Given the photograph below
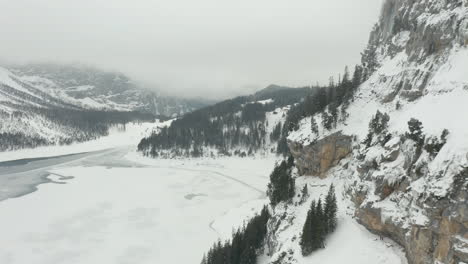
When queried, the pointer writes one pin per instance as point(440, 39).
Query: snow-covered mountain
point(393, 140)
point(44, 104)
point(93, 88)
point(32, 114)
point(399, 150)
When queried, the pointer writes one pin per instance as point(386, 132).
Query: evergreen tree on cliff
point(307, 236)
point(330, 210)
point(319, 227)
point(282, 185)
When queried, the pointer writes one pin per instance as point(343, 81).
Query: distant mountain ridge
point(241, 126)
point(92, 88)
point(32, 115)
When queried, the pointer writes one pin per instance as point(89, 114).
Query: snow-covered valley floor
point(114, 206)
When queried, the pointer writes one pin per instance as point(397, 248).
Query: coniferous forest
point(239, 123)
point(238, 126)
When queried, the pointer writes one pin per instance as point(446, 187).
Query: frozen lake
point(112, 206)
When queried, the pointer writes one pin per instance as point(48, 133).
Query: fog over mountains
point(217, 49)
point(133, 162)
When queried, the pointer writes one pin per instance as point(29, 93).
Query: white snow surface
point(132, 215)
point(148, 212)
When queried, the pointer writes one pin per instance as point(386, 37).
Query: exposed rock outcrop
point(317, 158)
point(397, 196)
point(425, 213)
point(413, 39)
point(415, 66)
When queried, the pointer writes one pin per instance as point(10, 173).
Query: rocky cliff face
point(417, 61)
point(412, 40)
point(398, 196)
point(317, 158)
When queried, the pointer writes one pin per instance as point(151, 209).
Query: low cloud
point(209, 48)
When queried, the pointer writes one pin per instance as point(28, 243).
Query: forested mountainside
point(257, 123)
point(31, 116)
point(240, 126)
point(399, 153)
point(95, 89)
point(397, 149)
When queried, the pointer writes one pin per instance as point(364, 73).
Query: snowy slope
point(37, 110)
point(399, 189)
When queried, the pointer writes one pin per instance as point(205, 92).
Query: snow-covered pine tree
point(307, 236)
point(304, 193)
point(281, 186)
point(319, 227)
point(330, 210)
point(313, 125)
point(415, 130)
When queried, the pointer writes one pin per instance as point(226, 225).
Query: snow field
point(162, 212)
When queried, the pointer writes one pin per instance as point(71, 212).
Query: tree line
point(77, 125)
point(226, 127)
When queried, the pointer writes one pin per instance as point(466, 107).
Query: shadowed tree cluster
point(239, 123)
point(321, 221)
point(282, 185)
point(378, 128)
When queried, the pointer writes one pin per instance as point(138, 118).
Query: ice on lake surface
point(110, 205)
point(88, 211)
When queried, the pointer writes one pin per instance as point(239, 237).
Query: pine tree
point(369, 58)
point(415, 131)
point(326, 120)
point(282, 185)
point(345, 76)
point(357, 76)
point(307, 236)
point(304, 193)
point(314, 126)
point(377, 125)
point(319, 226)
point(330, 210)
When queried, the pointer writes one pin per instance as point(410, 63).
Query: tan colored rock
point(317, 158)
point(448, 227)
point(420, 245)
point(442, 250)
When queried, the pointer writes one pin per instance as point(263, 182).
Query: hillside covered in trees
point(33, 114)
point(331, 101)
point(68, 126)
point(240, 126)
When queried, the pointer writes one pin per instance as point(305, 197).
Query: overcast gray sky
point(213, 48)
